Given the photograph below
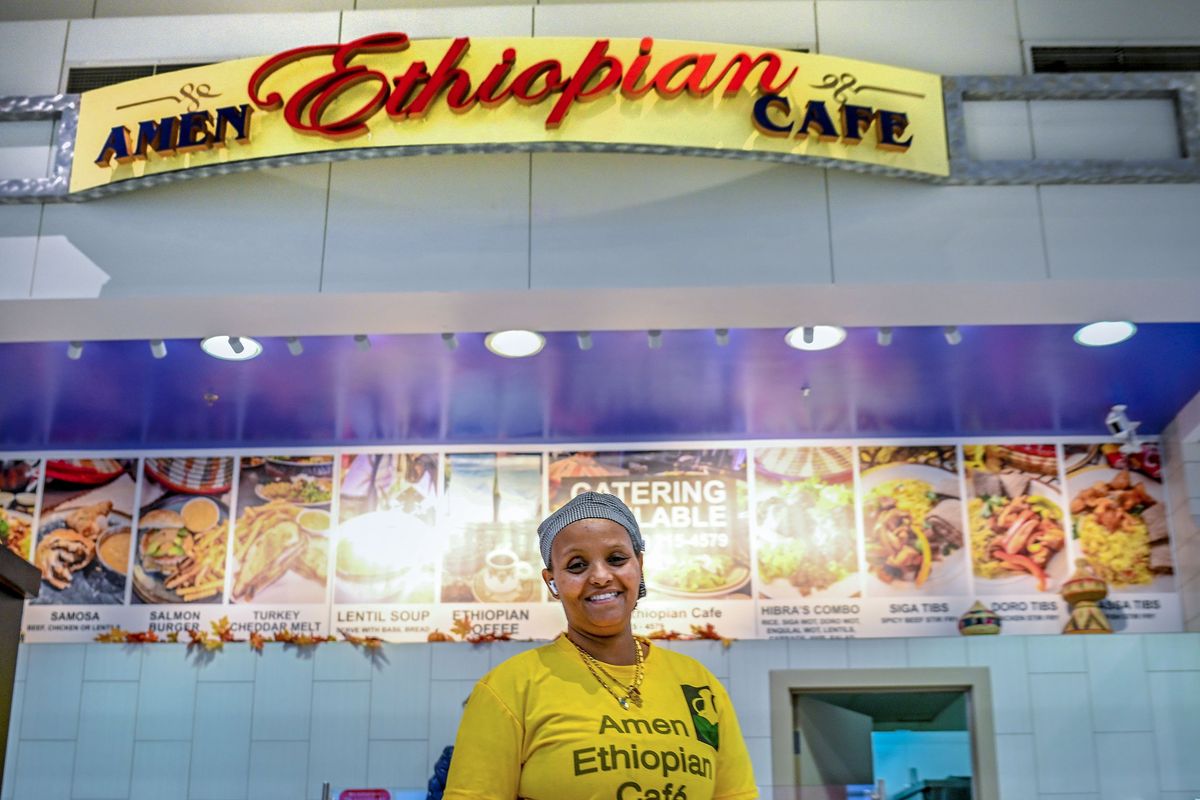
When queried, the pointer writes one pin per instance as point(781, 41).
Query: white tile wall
point(46, 9)
point(1104, 129)
point(1103, 231)
point(890, 231)
point(194, 237)
point(38, 48)
point(998, 130)
point(1116, 682)
point(18, 247)
point(766, 23)
point(950, 38)
point(626, 220)
point(433, 23)
point(140, 8)
point(428, 223)
point(214, 37)
point(1105, 21)
point(25, 149)
point(1066, 760)
point(356, 730)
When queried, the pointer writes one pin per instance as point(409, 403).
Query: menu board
point(805, 540)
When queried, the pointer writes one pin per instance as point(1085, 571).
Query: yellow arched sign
point(463, 95)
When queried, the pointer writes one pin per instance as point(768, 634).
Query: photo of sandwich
point(281, 543)
point(182, 538)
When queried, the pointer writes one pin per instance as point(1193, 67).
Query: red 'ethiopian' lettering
point(312, 107)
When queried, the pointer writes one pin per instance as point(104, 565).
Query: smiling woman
point(598, 713)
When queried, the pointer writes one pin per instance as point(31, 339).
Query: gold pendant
point(636, 698)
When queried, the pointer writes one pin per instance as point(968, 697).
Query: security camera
point(1118, 423)
point(1123, 429)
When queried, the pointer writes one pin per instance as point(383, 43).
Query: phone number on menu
point(692, 540)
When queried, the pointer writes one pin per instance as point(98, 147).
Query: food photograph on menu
point(912, 521)
point(85, 530)
point(18, 501)
point(806, 538)
point(691, 506)
point(1018, 539)
point(493, 507)
point(388, 542)
point(183, 530)
point(1119, 515)
point(281, 536)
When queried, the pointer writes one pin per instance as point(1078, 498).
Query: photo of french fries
point(181, 551)
point(281, 544)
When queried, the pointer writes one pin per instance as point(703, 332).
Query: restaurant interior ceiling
point(1027, 380)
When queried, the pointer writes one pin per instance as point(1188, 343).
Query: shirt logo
point(703, 706)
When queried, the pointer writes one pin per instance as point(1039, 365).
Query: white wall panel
point(766, 23)
point(1175, 697)
point(45, 9)
point(434, 23)
point(37, 47)
point(429, 223)
point(140, 8)
point(949, 38)
point(624, 220)
point(18, 245)
point(217, 37)
point(1105, 129)
point(1109, 20)
point(1122, 232)
point(1066, 755)
point(895, 231)
point(378, 4)
point(250, 233)
point(998, 130)
point(25, 149)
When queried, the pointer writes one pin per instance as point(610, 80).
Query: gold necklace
point(633, 692)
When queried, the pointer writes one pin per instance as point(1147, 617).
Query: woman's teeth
point(599, 598)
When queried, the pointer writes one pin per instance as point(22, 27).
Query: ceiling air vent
point(83, 79)
point(1116, 59)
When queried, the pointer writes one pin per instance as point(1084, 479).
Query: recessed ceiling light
point(952, 334)
point(815, 337)
point(1102, 334)
point(158, 348)
point(74, 350)
point(515, 344)
point(222, 347)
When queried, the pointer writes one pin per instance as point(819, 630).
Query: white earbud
point(553, 588)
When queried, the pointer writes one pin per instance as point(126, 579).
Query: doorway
point(883, 735)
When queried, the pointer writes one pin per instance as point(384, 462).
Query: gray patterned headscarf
point(591, 505)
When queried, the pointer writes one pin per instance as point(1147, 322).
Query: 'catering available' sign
point(462, 95)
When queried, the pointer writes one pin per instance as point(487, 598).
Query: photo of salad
point(1016, 518)
point(1118, 517)
point(912, 521)
point(806, 538)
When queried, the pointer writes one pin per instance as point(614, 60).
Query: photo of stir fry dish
point(1016, 535)
point(909, 528)
point(1016, 518)
point(912, 520)
point(807, 541)
point(1120, 525)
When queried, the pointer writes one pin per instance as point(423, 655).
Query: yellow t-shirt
point(540, 727)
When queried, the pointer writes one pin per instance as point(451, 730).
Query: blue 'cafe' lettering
point(186, 133)
point(773, 117)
